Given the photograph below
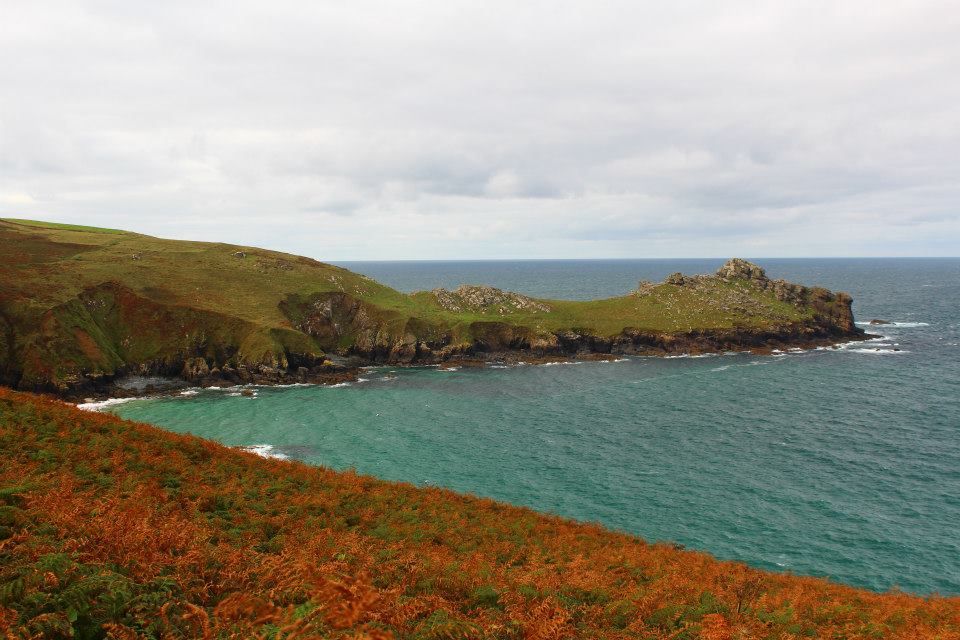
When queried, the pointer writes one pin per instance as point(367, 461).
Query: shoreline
point(157, 386)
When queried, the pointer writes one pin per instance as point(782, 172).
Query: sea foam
point(103, 404)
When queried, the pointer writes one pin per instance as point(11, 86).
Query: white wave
point(189, 392)
point(553, 364)
point(363, 379)
point(282, 386)
point(878, 351)
point(339, 384)
point(614, 360)
point(265, 451)
point(692, 355)
point(903, 325)
point(214, 388)
point(852, 346)
point(449, 369)
point(103, 404)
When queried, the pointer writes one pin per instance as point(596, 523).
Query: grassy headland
point(80, 306)
point(110, 528)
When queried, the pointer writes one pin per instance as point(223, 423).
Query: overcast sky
point(368, 130)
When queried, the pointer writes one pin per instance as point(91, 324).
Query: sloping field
point(111, 528)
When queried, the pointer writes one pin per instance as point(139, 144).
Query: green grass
point(76, 299)
point(60, 225)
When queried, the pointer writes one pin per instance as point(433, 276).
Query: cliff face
point(738, 287)
point(79, 308)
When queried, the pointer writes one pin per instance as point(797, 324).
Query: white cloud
point(490, 129)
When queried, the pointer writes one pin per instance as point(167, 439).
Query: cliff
point(80, 307)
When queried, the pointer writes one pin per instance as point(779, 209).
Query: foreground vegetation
point(80, 306)
point(114, 529)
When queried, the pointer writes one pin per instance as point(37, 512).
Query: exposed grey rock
point(738, 268)
point(480, 298)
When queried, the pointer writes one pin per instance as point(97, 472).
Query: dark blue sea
point(842, 463)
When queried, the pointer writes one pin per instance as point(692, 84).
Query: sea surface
point(841, 463)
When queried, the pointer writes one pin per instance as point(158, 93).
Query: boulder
point(740, 269)
point(195, 368)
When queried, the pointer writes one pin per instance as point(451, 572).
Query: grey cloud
point(490, 129)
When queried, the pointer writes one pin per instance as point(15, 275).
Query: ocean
point(834, 462)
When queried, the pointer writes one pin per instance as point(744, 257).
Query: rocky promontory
point(81, 310)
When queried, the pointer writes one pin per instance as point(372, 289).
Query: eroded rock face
point(740, 269)
point(481, 298)
point(195, 369)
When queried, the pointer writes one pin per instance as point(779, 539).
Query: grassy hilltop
point(79, 305)
point(114, 529)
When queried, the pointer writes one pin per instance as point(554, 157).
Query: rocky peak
point(738, 268)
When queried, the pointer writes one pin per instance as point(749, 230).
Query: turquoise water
point(844, 463)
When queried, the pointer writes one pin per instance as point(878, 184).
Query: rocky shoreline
point(70, 330)
point(350, 367)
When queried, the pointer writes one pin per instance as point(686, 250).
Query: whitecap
point(553, 364)
point(692, 355)
point(103, 404)
point(189, 392)
point(339, 384)
point(265, 451)
point(878, 351)
point(902, 325)
point(277, 386)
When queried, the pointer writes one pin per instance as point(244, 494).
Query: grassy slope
point(111, 525)
point(185, 297)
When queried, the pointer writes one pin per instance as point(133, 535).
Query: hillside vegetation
point(80, 306)
point(110, 528)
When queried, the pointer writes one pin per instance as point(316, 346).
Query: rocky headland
point(85, 312)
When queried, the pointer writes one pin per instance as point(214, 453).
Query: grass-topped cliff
point(80, 305)
point(114, 529)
